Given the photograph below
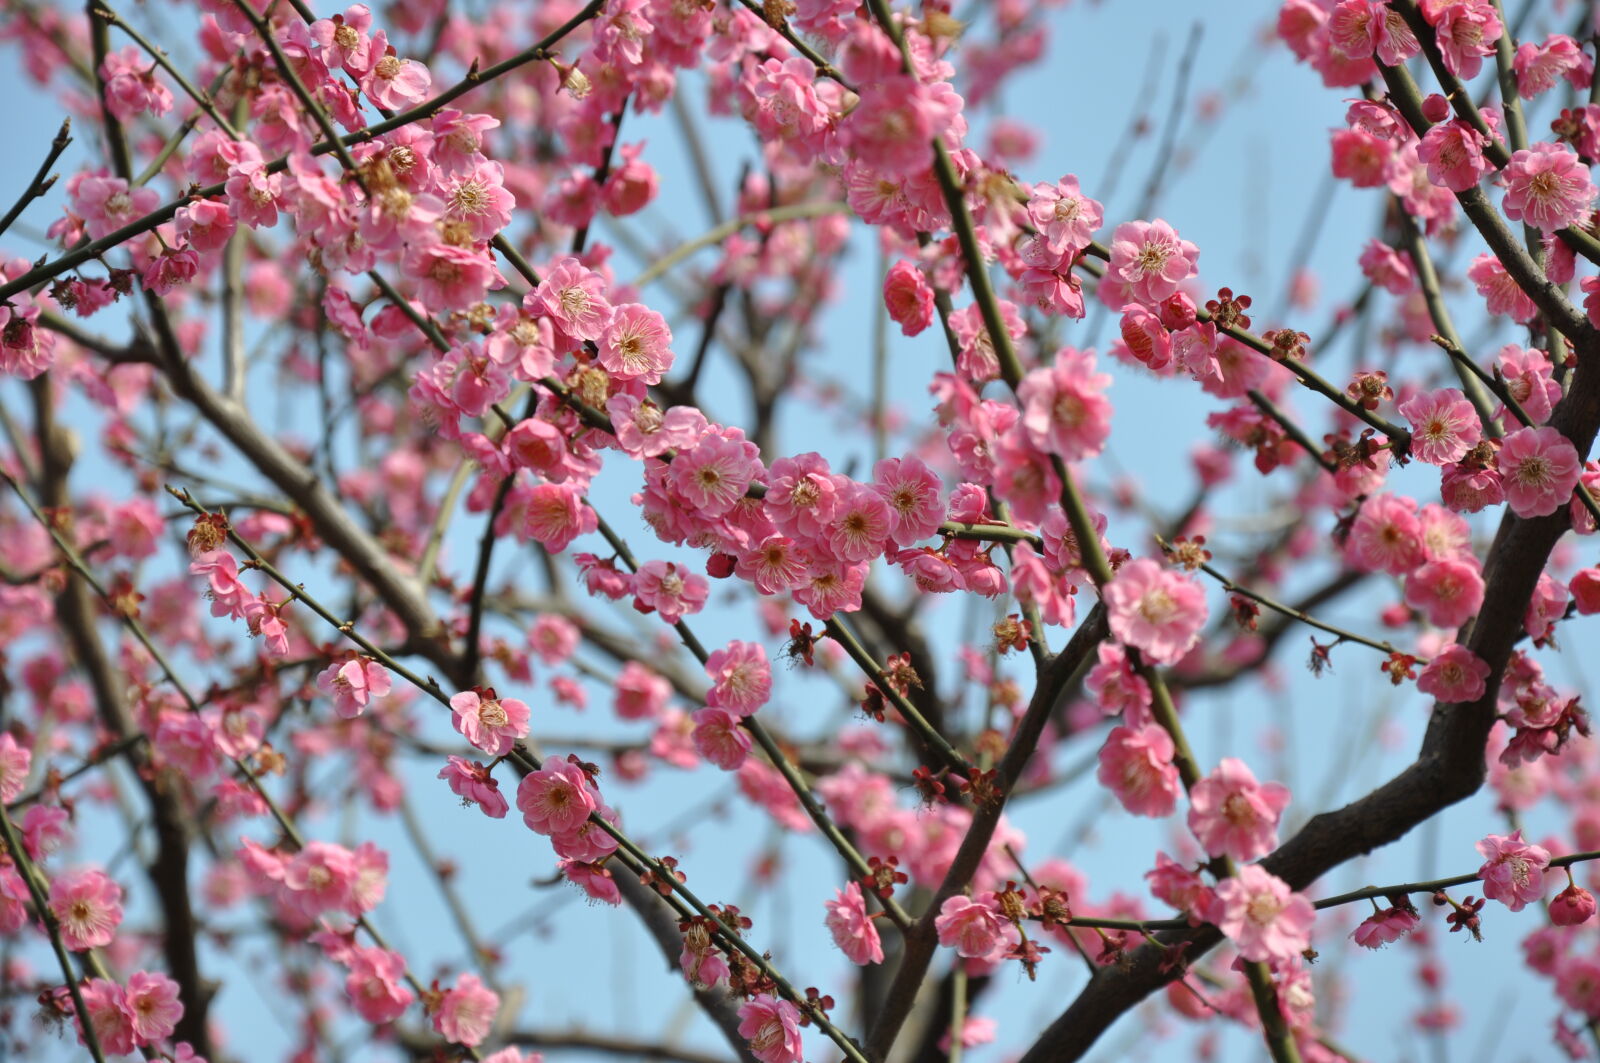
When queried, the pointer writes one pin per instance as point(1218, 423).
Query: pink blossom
point(719, 738)
point(1453, 154)
point(1539, 469)
point(1465, 33)
point(473, 783)
point(1584, 588)
point(908, 297)
point(636, 345)
point(354, 684)
point(557, 798)
point(1501, 293)
point(640, 693)
point(467, 1011)
point(1388, 268)
point(911, 490)
point(1064, 216)
point(450, 277)
point(1156, 610)
point(1233, 815)
point(1151, 260)
point(1180, 887)
point(1448, 591)
point(1064, 408)
point(492, 724)
point(393, 82)
point(741, 676)
point(1572, 906)
point(555, 514)
point(376, 985)
point(15, 762)
point(1538, 66)
point(1382, 927)
point(1386, 536)
point(595, 881)
point(861, 526)
point(1548, 187)
point(131, 87)
point(88, 906)
point(1262, 917)
point(1444, 426)
point(772, 1027)
point(973, 927)
point(106, 1003)
point(1547, 605)
point(632, 184)
point(1137, 766)
point(321, 878)
point(1513, 870)
point(801, 495)
point(1456, 675)
point(1116, 687)
point(1530, 378)
point(152, 1004)
point(714, 474)
point(670, 591)
point(852, 928)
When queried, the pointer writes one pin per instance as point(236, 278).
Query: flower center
point(492, 714)
point(1263, 908)
point(1157, 607)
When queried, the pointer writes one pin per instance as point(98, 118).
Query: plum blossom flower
point(393, 82)
point(852, 928)
point(1384, 926)
point(772, 1026)
point(908, 297)
point(719, 738)
point(1465, 32)
point(1181, 887)
point(88, 906)
point(669, 590)
point(1233, 815)
point(15, 762)
point(636, 345)
point(1548, 187)
point(472, 782)
point(153, 1007)
point(1387, 535)
point(1444, 425)
point(466, 1012)
point(1453, 154)
point(1064, 408)
point(1156, 610)
point(1449, 590)
point(557, 798)
point(106, 1003)
point(973, 927)
point(1500, 291)
point(1150, 259)
point(1262, 917)
point(354, 684)
point(1513, 870)
point(490, 723)
point(1572, 906)
point(1455, 675)
point(376, 984)
point(1539, 469)
point(1137, 766)
point(741, 677)
point(911, 490)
